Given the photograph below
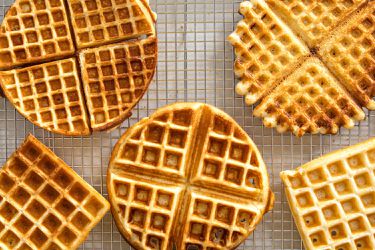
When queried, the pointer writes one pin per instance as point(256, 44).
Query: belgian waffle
point(332, 199)
point(44, 203)
point(96, 22)
point(115, 78)
point(34, 31)
point(309, 100)
point(114, 75)
point(187, 177)
point(49, 95)
point(274, 43)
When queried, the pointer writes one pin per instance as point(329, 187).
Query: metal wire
point(195, 64)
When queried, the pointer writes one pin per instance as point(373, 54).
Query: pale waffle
point(309, 100)
point(326, 30)
point(34, 31)
point(332, 199)
point(39, 53)
point(187, 177)
point(115, 77)
point(265, 50)
point(96, 22)
point(49, 95)
point(44, 204)
point(350, 54)
point(314, 20)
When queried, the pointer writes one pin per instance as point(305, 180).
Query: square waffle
point(332, 199)
point(44, 204)
point(49, 94)
point(34, 31)
point(188, 177)
point(96, 22)
point(115, 74)
point(325, 30)
point(115, 78)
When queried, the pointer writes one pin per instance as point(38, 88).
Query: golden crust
point(181, 144)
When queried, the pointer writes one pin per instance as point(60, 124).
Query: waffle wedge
point(309, 100)
point(187, 177)
point(280, 41)
point(265, 49)
point(332, 199)
point(349, 54)
point(34, 31)
point(97, 22)
point(115, 77)
point(44, 203)
point(49, 95)
point(314, 20)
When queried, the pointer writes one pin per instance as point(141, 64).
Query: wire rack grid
point(195, 64)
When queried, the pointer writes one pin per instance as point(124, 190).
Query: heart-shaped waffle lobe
point(39, 38)
point(44, 204)
point(332, 199)
point(278, 41)
point(187, 177)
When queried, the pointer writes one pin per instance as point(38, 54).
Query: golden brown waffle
point(273, 44)
point(96, 22)
point(49, 95)
point(350, 55)
point(309, 100)
point(115, 77)
point(332, 199)
point(265, 48)
point(187, 177)
point(34, 31)
point(313, 20)
point(44, 204)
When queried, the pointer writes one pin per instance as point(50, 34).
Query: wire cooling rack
point(195, 64)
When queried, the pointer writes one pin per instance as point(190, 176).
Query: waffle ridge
point(49, 95)
point(45, 204)
point(326, 30)
point(33, 32)
point(164, 147)
point(115, 78)
point(49, 33)
point(332, 198)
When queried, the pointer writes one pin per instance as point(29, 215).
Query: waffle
point(309, 100)
point(49, 95)
point(332, 199)
point(96, 22)
point(187, 177)
point(265, 49)
point(274, 44)
point(313, 20)
point(115, 77)
point(44, 203)
point(34, 31)
point(350, 55)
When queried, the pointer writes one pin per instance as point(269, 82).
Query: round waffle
point(50, 52)
point(187, 177)
point(309, 64)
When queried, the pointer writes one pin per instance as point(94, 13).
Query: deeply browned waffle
point(50, 94)
point(115, 78)
point(44, 204)
point(187, 177)
point(274, 44)
point(332, 199)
